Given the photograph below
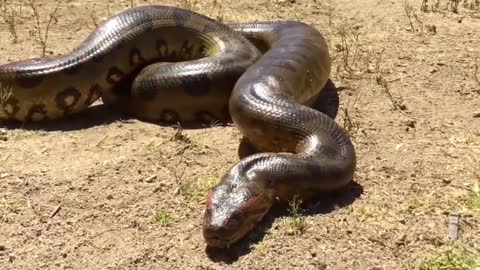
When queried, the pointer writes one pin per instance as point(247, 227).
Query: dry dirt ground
point(101, 191)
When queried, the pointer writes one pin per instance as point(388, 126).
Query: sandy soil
point(102, 191)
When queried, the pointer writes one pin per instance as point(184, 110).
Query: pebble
point(411, 123)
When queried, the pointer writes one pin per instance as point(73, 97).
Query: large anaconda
point(183, 66)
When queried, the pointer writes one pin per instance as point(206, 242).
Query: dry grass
point(188, 4)
point(262, 249)
point(11, 15)
point(449, 5)
point(5, 93)
point(472, 200)
point(349, 46)
point(416, 23)
point(397, 101)
point(93, 17)
point(476, 71)
point(196, 190)
point(43, 31)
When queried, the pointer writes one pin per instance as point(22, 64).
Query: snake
point(171, 65)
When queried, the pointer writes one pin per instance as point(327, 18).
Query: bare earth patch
point(101, 191)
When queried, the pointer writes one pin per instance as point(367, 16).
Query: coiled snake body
point(169, 64)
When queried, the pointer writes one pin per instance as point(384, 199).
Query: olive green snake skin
point(169, 64)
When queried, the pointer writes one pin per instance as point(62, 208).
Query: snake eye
point(235, 219)
point(249, 204)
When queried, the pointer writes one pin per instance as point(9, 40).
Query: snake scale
point(170, 64)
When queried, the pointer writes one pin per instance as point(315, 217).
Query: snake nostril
point(215, 229)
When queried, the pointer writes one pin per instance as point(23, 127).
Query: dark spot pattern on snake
point(73, 69)
point(163, 50)
point(205, 117)
point(67, 99)
point(36, 112)
point(120, 44)
point(10, 107)
point(114, 75)
point(196, 86)
point(186, 51)
point(135, 58)
point(94, 93)
point(147, 93)
point(98, 58)
point(201, 52)
point(30, 82)
point(169, 116)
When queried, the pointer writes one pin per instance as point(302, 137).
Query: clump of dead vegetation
point(416, 23)
point(436, 6)
point(43, 29)
point(397, 101)
point(11, 14)
point(349, 46)
point(449, 5)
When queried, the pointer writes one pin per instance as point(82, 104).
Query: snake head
point(232, 211)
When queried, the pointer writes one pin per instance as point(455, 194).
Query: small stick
point(55, 211)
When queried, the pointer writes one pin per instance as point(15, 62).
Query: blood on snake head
point(233, 209)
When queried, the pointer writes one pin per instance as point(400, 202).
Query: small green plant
point(261, 249)
point(163, 218)
point(296, 221)
point(451, 260)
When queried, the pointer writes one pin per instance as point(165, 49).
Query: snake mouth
point(218, 242)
